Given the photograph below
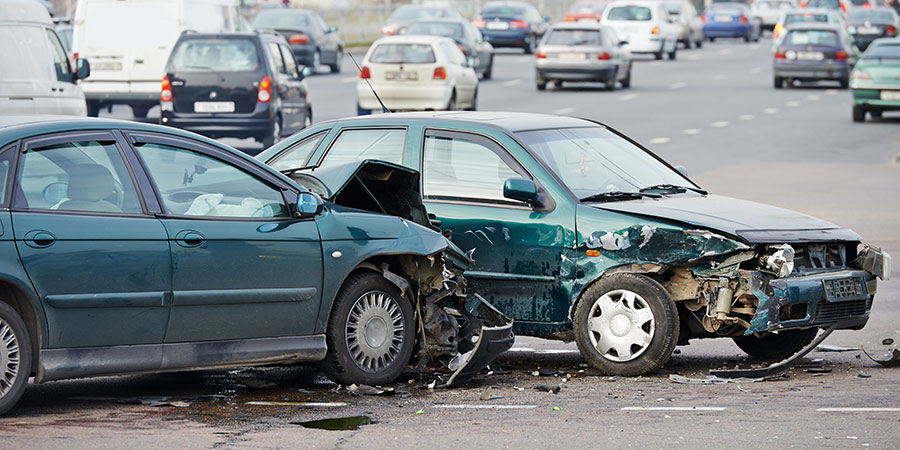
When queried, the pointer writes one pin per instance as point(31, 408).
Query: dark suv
point(242, 85)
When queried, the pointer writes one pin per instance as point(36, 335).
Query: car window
point(574, 37)
point(60, 58)
point(458, 168)
point(88, 176)
point(6, 160)
point(450, 30)
point(402, 54)
point(26, 55)
point(289, 61)
point(275, 58)
point(193, 184)
point(321, 23)
point(812, 37)
point(883, 52)
point(453, 53)
point(639, 13)
point(802, 18)
point(279, 19)
point(221, 55)
point(296, 155)
point(356, 145)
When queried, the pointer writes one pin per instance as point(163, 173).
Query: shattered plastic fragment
point(836, 348)
point(712, 379)
point(547, 388)
point(890, 359)
point(646, 233)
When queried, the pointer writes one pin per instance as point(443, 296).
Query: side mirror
point(682, 170)
point(623, 43)
point(83, 69)
point(305, 72)
point(520, 189)
point(333, 30)
point(546, 18)
point(309, 205)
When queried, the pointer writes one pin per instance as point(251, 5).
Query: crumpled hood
point(753, 222)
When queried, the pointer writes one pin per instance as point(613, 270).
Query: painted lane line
point(813, 97)
point(793, 103)
point(771, 110)
point(746, 117)
point(515, 82)
point(673, 408)
point(721, 124)
point(677, 85)
point(557, 352)
point(659, 140)
point(756, 70)
point(720, 77)
point(564, 111)
point(831, 92)
point(691, 131)
point(858, 409)
point(628, 97)
point(486, 406)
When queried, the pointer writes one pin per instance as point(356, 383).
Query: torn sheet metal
point(776, 367)
point(494, 337)
point(712, 379)
point(889, 359)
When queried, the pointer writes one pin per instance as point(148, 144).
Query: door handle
point(39, 239)
point(189, 238)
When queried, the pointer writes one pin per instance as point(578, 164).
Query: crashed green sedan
point(579, 233)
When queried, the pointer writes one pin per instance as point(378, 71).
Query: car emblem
point(213, 94)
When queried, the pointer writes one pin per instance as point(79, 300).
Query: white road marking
point(677, 85)
point(659, 140)
point(771, 110)
point(691, 131)
point(831, 92)
point(756, 70)
point(348, 79)
point(564, 111)
point(721, 124)
point(515, 82)
point(724, 51)
point(720, 77)
point(858, 409)
point(673, 408)
point(628, 97)
point(746, 117)
point(793, 103)
point(813, 97)
point(307, 404)
point(556, 352)
point(479, 406)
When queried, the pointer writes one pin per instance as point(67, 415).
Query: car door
point(287, 87)
point(329, 40)
point(243, 266)
point(69, 98)
point(299, 97)
point(518, 251)
point(464, 77)
point(26, 78)
point(100, 264)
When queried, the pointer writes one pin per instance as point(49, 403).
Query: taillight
point(569, 19)
point(779, 54)
point(655, 30)
point(890, 29)
point(75, 60)
point(299, 38)
point(604, 56)
point(520, 24)
point(462, 48)
point(541, 55)
point(703, 18)
point(841, 56)
point(264, 95)
point(440, 73)
point(165, 95)
point(389, 29)
point(478, 22)
point(743, 19)
point(364, 73)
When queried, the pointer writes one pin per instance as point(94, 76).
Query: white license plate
point(893, 96)
point(497, 25)
point(723, 19)
point(213, 107)
point(401, 76)
point(810, 56)
point(107, 65)
point(868, 30)
point(571, 56)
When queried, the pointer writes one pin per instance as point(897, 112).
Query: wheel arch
point(23, 300)
point(651, 270)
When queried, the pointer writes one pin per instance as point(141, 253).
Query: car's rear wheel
point(360, 111)
point(673, 52)
point(626, 82)
point(317, 60)
point(15, 357)
point(371, 332)
point(778, 82)
point(490, 69)
point(776, 346)
point(93, 109)
point(626, 324)
point(274, 134)
point(611, 82)
point(845, 83)
point(712, 39)
point(530, 44)
point(474, 105)
point(451, 105)
point(338, 58)
point(659, 55)
point(747, 37)
point(307, 121)
point(699, 43)
point(859, 114)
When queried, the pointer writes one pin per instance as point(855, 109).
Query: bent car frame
point(579, 233)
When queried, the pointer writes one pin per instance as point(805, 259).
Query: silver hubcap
point(375, 331)
point(9, 358)
point(621, 325)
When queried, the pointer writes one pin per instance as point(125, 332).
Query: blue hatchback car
point(511, 24)
point(731, 20)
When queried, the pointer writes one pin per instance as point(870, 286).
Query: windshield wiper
point(618, 195)
point(672, 189)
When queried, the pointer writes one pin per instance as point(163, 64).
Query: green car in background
point(579, 233)
point(875, 81)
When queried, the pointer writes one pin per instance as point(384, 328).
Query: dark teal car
point(579, 233)
point(134, 248)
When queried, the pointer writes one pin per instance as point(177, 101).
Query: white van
point(129, 41)
point(36, 76)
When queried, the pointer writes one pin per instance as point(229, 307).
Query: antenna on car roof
point(383, 108)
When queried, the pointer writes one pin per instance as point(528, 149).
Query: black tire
point(339, 363)
point(451, 104)
point(274, 134)
point(11, 324)
point(687, 43)
point(626, 82)
point(776, 346)
point(659, 55)
point(859, 114)
point(338, 57)
point(845, 83)
point(317, 61)
point(712, 39)
point(876, 114)
point(93, 109)
point(530, 45)
point(747, 37)
point(541, 85)
point(611, 82)
point(673, 53)
point(362, 112)
point(699, 43)
point(778, 82)
point(307, 121)
point(474, 106)
point(490, 70)
point(140, 111)
point(664, 313)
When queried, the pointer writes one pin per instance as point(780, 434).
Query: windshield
point(574, 37)
point(628, 13)
point(725, 10)
point(829, 4)
point(803, 18)
point(594, 160)
point(504, 11)
point(410, 13)
point(862, 15)
point(773, 5)
point(824, 38)
point(883, 51)
point(402, 54)
point(279, 19)
point(222, 55)
point(451, 30)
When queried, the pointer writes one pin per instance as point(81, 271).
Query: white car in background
point(416, 73)
point(645, 25)
point(688, 21)
point(770, 11)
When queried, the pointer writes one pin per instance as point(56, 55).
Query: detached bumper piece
point(777, 367)
point(492, 336)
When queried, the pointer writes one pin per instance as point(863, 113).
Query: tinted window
point(456, 168)
point(78, 176)
point(628, 13)
point(861, 15)
point(503, 11)
point(289, 61)
point(410, 13)
point(812, 37)
point(296, 155)
point(403, 54)
point(60, 58)
point(221, 55)
point(280, 19)
point(883, 51)
point(194, 184)
point(574, 37)
point(26, 55)
point(828, 4)
point(804, 18)
point(275, 58)
point(356, 145)
point(450, 30)
point(725, 11)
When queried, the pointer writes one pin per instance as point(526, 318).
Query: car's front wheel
point(776, 346)
point(626, 324)
point(859, 114)
point(274, 134)
point(778, 82)
point(371, 332)
point(15, 357)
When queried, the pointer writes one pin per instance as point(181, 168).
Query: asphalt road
point(712, 110)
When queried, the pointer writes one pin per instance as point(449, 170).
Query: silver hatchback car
point(582, 51)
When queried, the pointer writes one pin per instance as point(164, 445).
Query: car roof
point(580, 25)
point(814, 26)
point(728, 5)
point(508, 121)
point(24, 11)
point(410, 39)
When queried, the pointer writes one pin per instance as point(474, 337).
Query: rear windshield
point(416, 12)
point(825, 38)
point(804, 18)
point(725, 11)
point(883, 51)
point(273, 19)
point(574, 37)
point(832, 4)
point(773, 5)
point(450, 30)
point(587, 8)
point(220, 55)
point(628, 13)
point(503, 11)
point(403, 54)
point(862, 15)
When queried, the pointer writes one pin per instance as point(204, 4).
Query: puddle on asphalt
point(338, 423)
